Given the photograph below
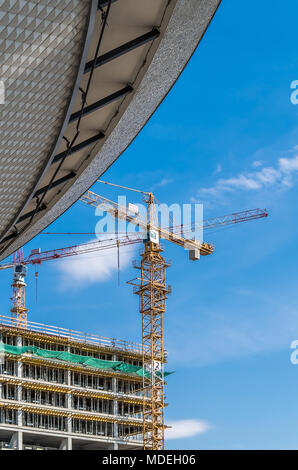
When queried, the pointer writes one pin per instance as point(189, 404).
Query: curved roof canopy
point(81, 78)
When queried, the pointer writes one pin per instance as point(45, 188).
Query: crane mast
point(153, 292)
point(150, 286)
point(19, 310)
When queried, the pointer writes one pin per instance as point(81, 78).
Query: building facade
point(61, 389)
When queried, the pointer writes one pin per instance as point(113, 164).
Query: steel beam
point(30, 214)
point(124, 49)
point(9, 237)
point(79, 147)
point(104, 3)
point(21, 219)
point(101, 103)
point(55, 183)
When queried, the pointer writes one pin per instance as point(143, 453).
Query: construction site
point(67, 390)
point(62, 389)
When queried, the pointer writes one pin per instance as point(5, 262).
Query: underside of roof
point(82, 78)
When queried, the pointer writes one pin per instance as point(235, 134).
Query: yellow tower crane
point(151, 287)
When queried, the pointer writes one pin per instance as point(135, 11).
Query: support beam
point(78, 147)
point(55, 183)
point(21, 219)
point(9, 237)
point(104, 3)
point(101, 103)
point(124, 49)
point(29, 214)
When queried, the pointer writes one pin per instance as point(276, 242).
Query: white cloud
point(218, 169)
point(94, 267)
point(257, 163)
point(282, 175)
point(186, 428)
point(289, 164)
point(163, 182)
point(241, 181)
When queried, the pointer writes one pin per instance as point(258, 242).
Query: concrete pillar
point(69, 419)
point(69, 407)
point(19, 363)
point(66, 444)
point(16, 442)
point(115, 402)
point(112, 446)
point(19, 387)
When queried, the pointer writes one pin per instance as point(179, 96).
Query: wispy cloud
point(93, 267)
point(218, 169)
point(257, 164)
point(282, 174)
point(163, 182)
point(186, 428)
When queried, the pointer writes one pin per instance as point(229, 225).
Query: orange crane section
point(19, 265)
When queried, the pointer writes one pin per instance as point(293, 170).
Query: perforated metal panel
point(40, 48)
point(141, 53)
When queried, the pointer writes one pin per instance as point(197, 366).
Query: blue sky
point(227, 136)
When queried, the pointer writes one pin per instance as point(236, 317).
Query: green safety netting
point(75, 358)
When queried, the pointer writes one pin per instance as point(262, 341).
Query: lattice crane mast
point(152, 290)
point(18, 310)
point(150, 286)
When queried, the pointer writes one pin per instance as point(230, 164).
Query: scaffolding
point(68, 396)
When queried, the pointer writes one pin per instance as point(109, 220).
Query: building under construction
point(62, 389)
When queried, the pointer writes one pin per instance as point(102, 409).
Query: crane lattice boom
point(150, 286)
point(152, 290)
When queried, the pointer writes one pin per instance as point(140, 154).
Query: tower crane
point(150, 286)
point(152, 289)
point(37, 257)
point(18, 310)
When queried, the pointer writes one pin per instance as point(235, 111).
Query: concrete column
point(20, 417)
point(19, 387)
point(16, 442)
point(115, 402)
point(66, 444)
point(69, 407)
point(19, 364)
point(69, 419)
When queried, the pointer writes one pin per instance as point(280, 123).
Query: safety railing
point(73, 335)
